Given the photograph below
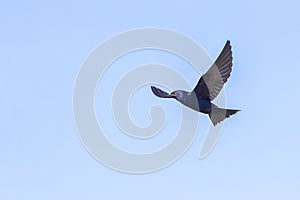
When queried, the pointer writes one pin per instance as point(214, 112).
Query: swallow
point(207, 89)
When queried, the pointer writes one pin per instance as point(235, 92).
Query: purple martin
point(207, 89)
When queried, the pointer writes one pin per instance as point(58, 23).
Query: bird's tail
point(219, 114)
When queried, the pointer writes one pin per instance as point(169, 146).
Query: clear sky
point(43, 44)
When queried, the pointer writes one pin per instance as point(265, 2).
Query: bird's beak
point(172, 95)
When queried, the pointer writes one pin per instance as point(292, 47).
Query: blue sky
point(43, 45)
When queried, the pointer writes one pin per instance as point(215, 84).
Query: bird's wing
point(160, 93)
point(211, 83)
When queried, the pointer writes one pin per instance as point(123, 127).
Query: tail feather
point(219, 114)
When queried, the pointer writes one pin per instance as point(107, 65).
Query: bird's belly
point(200, 105)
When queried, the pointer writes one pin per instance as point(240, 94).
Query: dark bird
point(207, 89)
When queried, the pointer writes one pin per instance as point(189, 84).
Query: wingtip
point(152, 87)
point(228, 43)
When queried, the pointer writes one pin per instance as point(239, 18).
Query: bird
point(207, 89)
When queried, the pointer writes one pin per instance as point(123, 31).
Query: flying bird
point(207, 89)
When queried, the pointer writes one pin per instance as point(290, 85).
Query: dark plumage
point(207, 89)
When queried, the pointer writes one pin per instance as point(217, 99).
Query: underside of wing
point(160, 93)
point(211, 83)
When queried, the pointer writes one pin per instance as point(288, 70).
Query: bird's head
point(178, 94)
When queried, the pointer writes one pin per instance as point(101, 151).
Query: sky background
point(43, 44)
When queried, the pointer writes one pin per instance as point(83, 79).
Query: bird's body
point(190, 100)
point(207, 88)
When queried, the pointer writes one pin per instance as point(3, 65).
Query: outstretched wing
point(158, 92)
point(211, 83)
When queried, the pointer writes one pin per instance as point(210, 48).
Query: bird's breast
point(197, 104)
point(190, 100)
